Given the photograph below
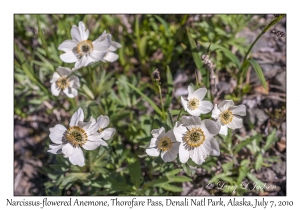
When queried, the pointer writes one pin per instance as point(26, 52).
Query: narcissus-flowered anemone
point(196, 139)
point(79, 135)
point(62, 81)
point(83, 51)
point(164, 144)
point(194, 104)
point(228, 115)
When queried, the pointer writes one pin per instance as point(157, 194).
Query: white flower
point(197, 139)
point(226, 115)
point(79, 134)
point(163, 143)
point(194, 104)
point(83, 51)
point(109, 55)
point(62, 82)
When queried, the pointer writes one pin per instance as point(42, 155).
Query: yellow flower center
point(165, 144)
point(85, 48)
point(63, 82)
point(194, 137)
point(76, 136)
point(226, 117)
point(193, 104)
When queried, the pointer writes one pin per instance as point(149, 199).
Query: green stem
point(161, 101)
point(243, 69)
point(179, 115)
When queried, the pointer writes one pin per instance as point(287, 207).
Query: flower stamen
point(226, 117)
point(165, 144)
point(76, 136)
point(63, 82)
point(193, 104)
point(194, 137)
point(85, 48)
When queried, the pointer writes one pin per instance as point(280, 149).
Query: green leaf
point(169, 120)
point(259, 161)
point(135, 173)
point(270, 140)
point(259, 73)
point(170, 88)
point(196, 57)
point(244, 143)
point(173, 172)
point(171, 188)
point(227, 166)
point(226, 52)
point(144, 97)
point(257, 182)
point(156, 182)
point(179, 179)
point(164, 23)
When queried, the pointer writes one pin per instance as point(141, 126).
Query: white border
point(154, 6)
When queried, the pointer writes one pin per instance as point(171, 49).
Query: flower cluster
point(80, 134)
point(88, 135)
point(192, 137)
point(83, 52)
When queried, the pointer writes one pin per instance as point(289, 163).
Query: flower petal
point(199, 94)
point(74, 81)
point(102, 36)
point(190, 90)
point(184, 103)
point(171, 135)
point(212, 127)
point(108, 133)
point(195, 112)
point(215, 112)
point(68, 57)
point(67, 150)
point(183, 154)
point(156, 132)
point(68, 45)
point(225, 105)
point(166, 156)
point(239, 110)
point(153, 143)
point(197, 157)
point(84, 33)
point(236, 122)
point(179, 131)
point(84, 125)
point(55, 89)
point(205, 107)
point(70, 92)
point(152, 152)
point(57, 133)
point(77, 116)
point(77, 157)
point(104, 121)
point(103, 44)
point(75, 34)
point(54, 77)
point(91, 145)
point(64, 71)
point(97, 55)
point(55, 148)
point(215, 147)
point(114, 46)
point(83, 61)
point(111, 57)
point(223, 130)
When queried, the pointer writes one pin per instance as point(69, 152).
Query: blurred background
point(150, 42)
